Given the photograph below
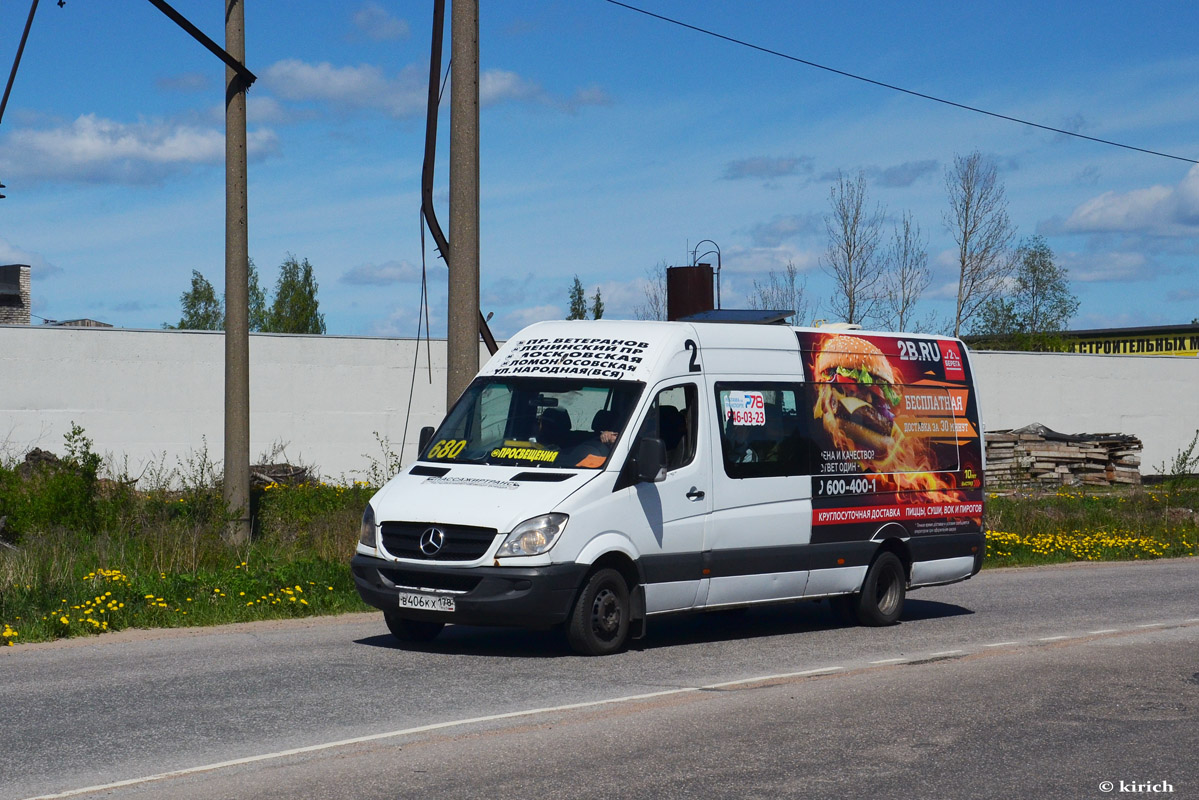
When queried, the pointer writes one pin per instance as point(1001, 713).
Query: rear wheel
point(412, 630)
point(599, 624)
point(881, 600)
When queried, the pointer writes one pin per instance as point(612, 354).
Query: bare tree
point(782, 291)
point(654, 306)
point(905, 277)
point(978, 220)
point(852, 258)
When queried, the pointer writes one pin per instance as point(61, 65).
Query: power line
point(892, 87)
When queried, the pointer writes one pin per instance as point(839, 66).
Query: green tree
point(654, 306)
point(782, 291)
point(202, 311)
point(578, 303)
point(257, 301)
point(295, 308)
point(852, 259)
point(1038, 304)
point(979, 223)
point(597, 305)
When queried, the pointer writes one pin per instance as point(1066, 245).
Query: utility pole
point(463, 318)
point(237, 315)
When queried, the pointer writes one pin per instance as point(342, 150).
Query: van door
point(673, 511)
point(758, 539)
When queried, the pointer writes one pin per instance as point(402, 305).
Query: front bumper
point(525, 597)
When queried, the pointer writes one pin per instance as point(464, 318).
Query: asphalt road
point(1039, 682)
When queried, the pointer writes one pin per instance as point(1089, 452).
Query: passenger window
point(672, 418)
point(761, 430)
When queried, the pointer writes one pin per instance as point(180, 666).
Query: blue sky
point(611, 142)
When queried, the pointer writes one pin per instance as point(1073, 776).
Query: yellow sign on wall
point(1163, 345)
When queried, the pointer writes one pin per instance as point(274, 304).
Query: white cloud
point(97, 150)
point(383, 274)
point(364, 86)
point(518, 318)
point(188, 82)
point(376, 23)
point(39, 267)
point(1108, 266)
point(767, 167)
point(784, 227)
point(498, 85)
point(406, 94)
point(1156, 210)
point(905, 174)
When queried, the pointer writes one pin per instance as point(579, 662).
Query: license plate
point(426, 602)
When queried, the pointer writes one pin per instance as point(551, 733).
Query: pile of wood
point(1037, 455)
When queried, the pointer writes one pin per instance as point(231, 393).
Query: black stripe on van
point(671, 567)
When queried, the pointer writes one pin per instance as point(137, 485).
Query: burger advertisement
point(895, 427)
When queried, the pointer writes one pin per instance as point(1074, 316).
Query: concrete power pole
point(463, 317)
point(237, 315)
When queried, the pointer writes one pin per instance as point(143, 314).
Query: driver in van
point(553, 427)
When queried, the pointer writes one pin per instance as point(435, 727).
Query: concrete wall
point(140, 394)
point(1155, 398)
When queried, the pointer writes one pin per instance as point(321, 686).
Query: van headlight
point(366, 532)
point(533, 536)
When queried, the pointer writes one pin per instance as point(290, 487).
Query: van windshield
point(537, 422)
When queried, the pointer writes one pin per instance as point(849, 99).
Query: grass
point(93, 555)
point(1100, 525)
point(171, 568)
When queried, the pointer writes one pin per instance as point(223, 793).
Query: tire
point(599, 624)
point(881, 600)
point(412, 630)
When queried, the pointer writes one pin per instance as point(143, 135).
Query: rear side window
point(763, 430)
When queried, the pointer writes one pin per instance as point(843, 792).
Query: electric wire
point(893, 87)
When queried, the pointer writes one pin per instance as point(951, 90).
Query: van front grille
point(462, 542)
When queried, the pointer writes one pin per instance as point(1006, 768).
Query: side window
point(672, 418)
point(762, 433)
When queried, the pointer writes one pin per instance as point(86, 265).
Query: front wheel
point(881, 600)
point(599, 624)
point(412, 630)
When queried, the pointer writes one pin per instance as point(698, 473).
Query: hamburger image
point(857, 399)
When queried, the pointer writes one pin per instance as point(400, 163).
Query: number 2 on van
point(632, 471)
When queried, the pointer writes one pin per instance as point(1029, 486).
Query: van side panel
point(897, 447)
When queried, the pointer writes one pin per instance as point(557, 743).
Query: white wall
point(1155, 398)
point(141, 393)
point(144, 393)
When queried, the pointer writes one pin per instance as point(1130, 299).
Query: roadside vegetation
point(85, 549)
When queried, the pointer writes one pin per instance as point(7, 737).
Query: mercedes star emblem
point(431, 541)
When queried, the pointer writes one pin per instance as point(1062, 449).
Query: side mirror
point(426, 436)
point(651, 460)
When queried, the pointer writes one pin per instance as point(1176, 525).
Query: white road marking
point(361, 739)
point(423, 729)
point(783, 676)
point(516, 714)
